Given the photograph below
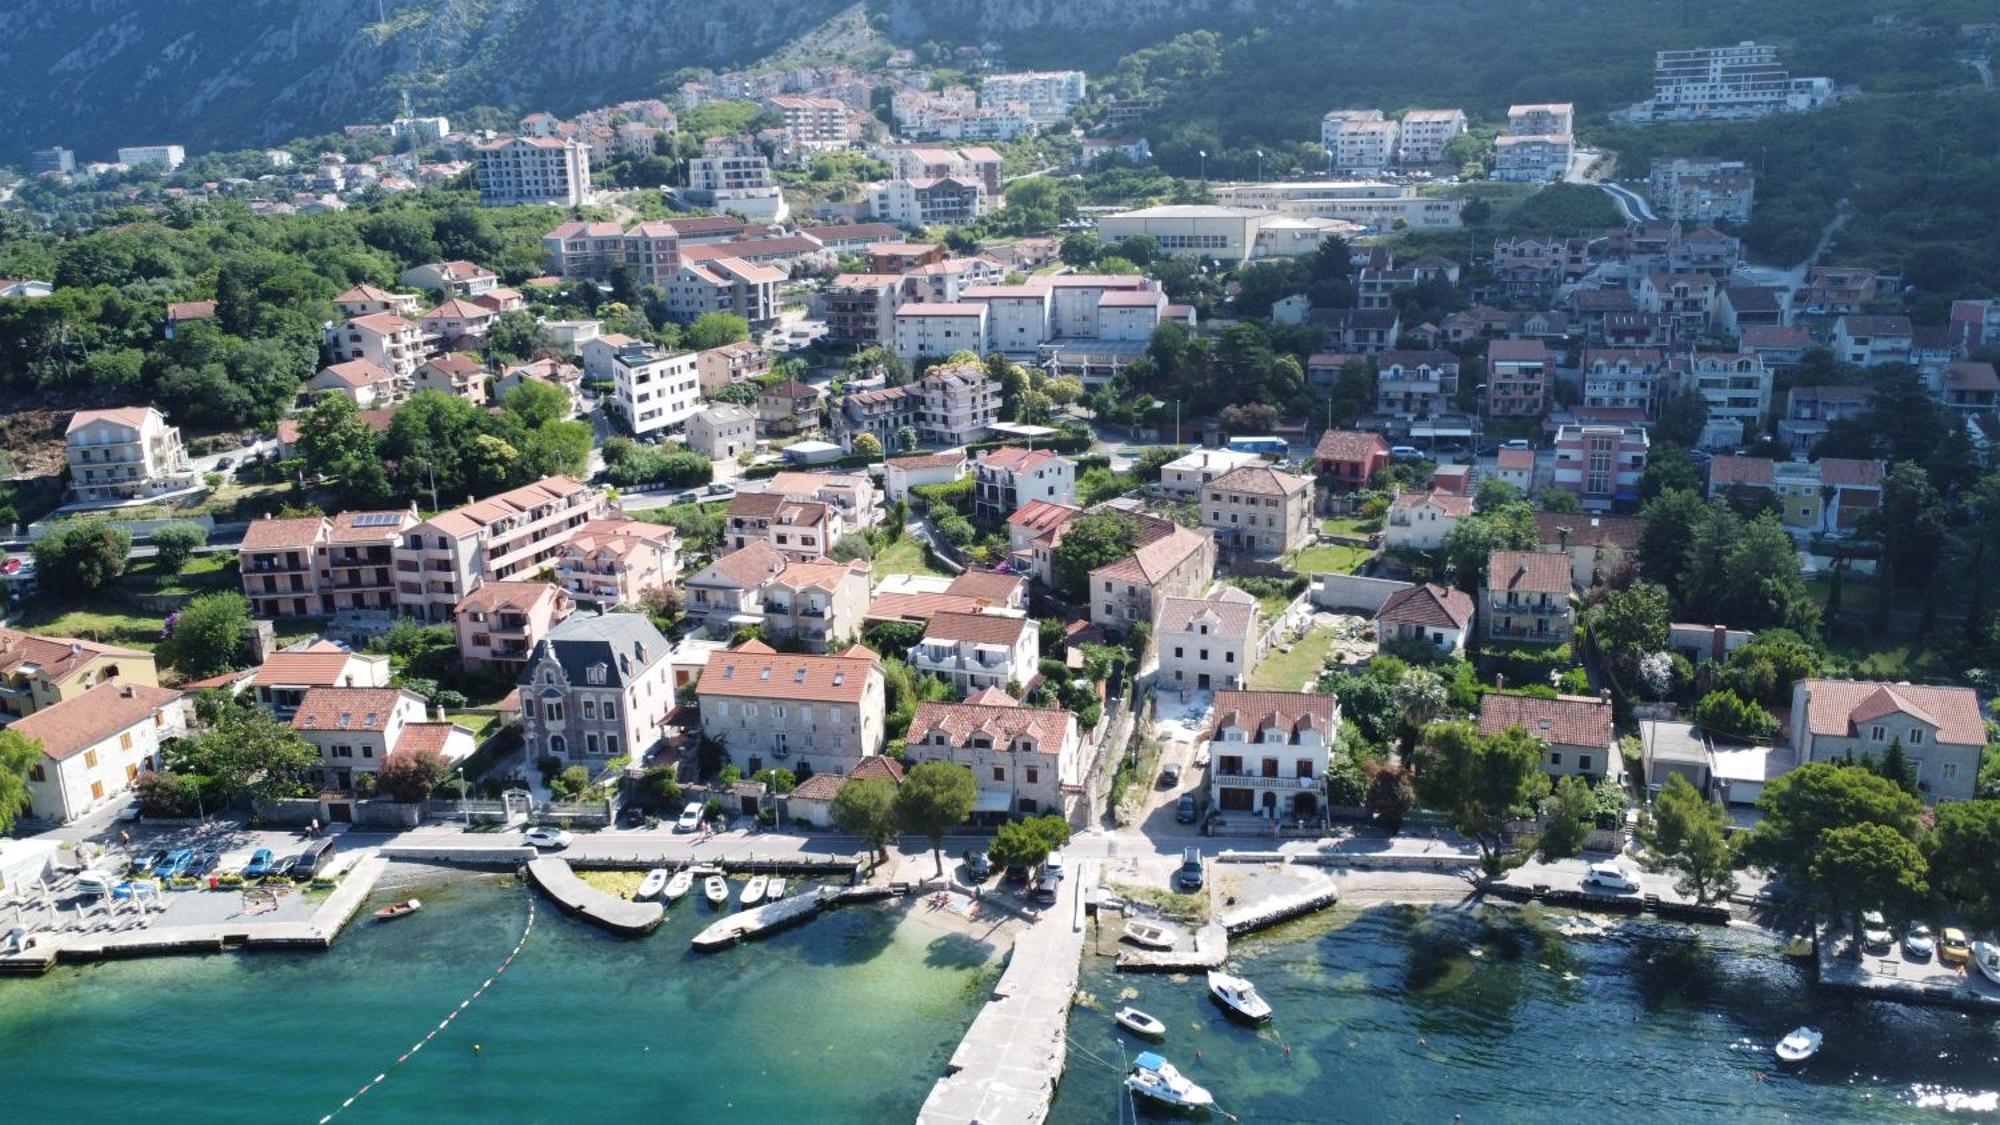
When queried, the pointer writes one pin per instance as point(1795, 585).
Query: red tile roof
point(978, 628)
point(1528, 572)
point(77, 724)
point(1729, 469)
point(1350, 445)
point(348, 708)
point(1049, 727)
point(1568, 720)
point(1290, 711)
point(1835, 708)
point(754, 671)
point(1429, 605)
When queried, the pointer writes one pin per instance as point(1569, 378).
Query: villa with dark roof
point(597, 688)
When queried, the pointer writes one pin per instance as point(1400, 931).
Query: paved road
point(1630, 203)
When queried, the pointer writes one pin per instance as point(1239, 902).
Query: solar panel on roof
point(378, 519)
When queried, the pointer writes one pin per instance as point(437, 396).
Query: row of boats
point(1157, 1080)
point(672, 886)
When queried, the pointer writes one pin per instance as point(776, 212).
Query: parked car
point(1019, 874)
point(259, 865)
point(174, 865)
point(1612, 877)
point(546, 838)
point(1053, 865)
point(1189, 877)
point(204, 862)
point(224, 462)
point(129, 812)
point(688, 497)
point(1515, 443)
point(976, 864)
point(144, 862)
point(1918, 942)
point(314, 858)
point(1170, 775)
point(284, 868)
point(1954, 948)
point(717, 489)
point(690, 817)
point(1405, 453)
point(1185, 811)
point(1875, 935)
point(1047, 887)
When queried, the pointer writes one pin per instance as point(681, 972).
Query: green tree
point(935, 798)
point(1479, 783)
point(1897, 767)
point(1689, 836)
point(1801, 807)
point(1730, 715)
point(714, 329)
point(1862, 867)
point(867, 445)
point(1911, 523)
point(339, 445)
point(1667, 524)
point(658, 790)
point(1632, 622)
point(867, 808)
point(410, 775)
point(210, 636)
point(1965, 857)
point(18, 754)
point(536, 403)
point(79, 556)
point(248, 752)
point(1026, 843)
point(779, 779)
point(1090, 541)
point(175, 544)
point(1567, 818)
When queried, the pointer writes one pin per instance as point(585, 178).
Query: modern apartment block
point(933, 330)
point(652, 390)
point(125, 453)
point(957, 404)
point(816, 122)
point(1538, 144)
point(1359, 140)
point(725, 285)
point(1426, 132)
point(1415, 384)
point(924, 202)
point(500, 623)
point(518, 532)
point(1703, 189)
point(729, 170)
point(1518, 375)
point(1718, 83)
point(164, 157)
point(1048, 95)
point(1624, 379)
point(1736, 386)
point(1601, 464)
point(533, 170)
point(614, 562)
point(861, 309)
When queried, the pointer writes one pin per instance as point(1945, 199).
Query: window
point(999, 773)
point(1583, 762)
point(125, 741)
point(1875, 733)
point(590, 709)
point(1950, 771)
point(1555, 757)
point(553, 712)
point(37, 773)
point(90, 759)
point(367, 751)
point(1034, 775)
point(1177, 652)
point(1916, 736)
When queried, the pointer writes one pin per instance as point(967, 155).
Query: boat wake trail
point(444, 1023)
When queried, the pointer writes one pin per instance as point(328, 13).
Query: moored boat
point(651, 886)
point(1986, 955)
point(776, 889)
point(1152, 935)
point(678, 886)
point(753, 891)
point(398, 909)
point(1155, 1078)
point(715, 889)
point(1803, 1043)
point(1139, 1023)
point(1239, 996)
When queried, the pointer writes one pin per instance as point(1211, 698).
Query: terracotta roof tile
point(348, 708)
point(1350, 445)
point(1835, 707)
point(76, 724)
point(1288, 710)
point(1568, 720)
point(1528, 572)
point(1261, 480)
point(753, 671)
point(270, 534)
point(1429, 605)
point(1049, 727)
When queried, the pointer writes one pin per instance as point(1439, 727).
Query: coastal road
point(1630, 203)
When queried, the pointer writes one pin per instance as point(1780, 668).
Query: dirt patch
point(31, 442)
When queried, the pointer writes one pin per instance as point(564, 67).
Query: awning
point(993, 800)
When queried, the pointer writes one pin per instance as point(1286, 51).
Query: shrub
point(1729, 714)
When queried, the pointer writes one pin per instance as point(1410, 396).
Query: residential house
point(598, 687)
point(456, 278)
point(1414, 385)
point(365, 300)
point(787, 408)
point(1187, 475)
point(1750, 306)
point(280, 684)
point(1172, 563)
point(1420, 521)
point(124, 453)
point(459, 322)
point(1625, 379)
point(1515, 467)
point(1780, 347)
point(1574, 730)
point(1941, 729)
point(1532, 158)
point(1259, 510)
point(1602, 465)
point(1438, 616)
point(802, 530)
point(1027, 761)
point(1518, 376)
point(1839, 290)
point(355, 729)
point(38, 672)
point(1010, 476)
point(384, 339)
point(1706, 644)
point(614, 562)
point(1032, 533)
point(1359, 331)
point(1207, 644)
point(901, 474)
point(455, 374)
point(363, 383)
point(918, 598)
point(725, 285)
point(279, 561)
point(1970, 387)
point(187, 312)
point(812, 802)
point(971, 651)
point(1598, 546)
point(94, 746)
point(499, 623)
point(956, 404)
point(564, 377)
point(849, 495)
point(821, 605)
point(519, 532)
point(722, 432)
point(1737, 388)
point(1347, 460)
point(1810, 410)
point(730, 364)
point(772, 709)
point(1689, 298)
point(1869, 340)
point(1269, 751)
point(357, 562)
point(1527, 598)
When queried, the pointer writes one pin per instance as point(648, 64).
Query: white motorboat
point(651, 886)
point(1239, 996)
point(678, 886)
point(1154, 1077)
point(1802, 1044)
point(1139, 1023)
point(715, 889)
point(753, 891)
point(1152, 935)
point(1986, 955)
point(775, 890)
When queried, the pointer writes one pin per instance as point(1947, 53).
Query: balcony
point(1259, 781)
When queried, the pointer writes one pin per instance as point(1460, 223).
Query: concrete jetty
point(316, 932)
point(764, 919)
point(554, 878)
point(1005, 1069)
point(1262, 915)
point(1211, 942)
point(1210, 950)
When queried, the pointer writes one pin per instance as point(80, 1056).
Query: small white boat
point(1154, 1077)
point(715, 889)
point(678, 886)
point(753, 891)
point(1802, 1044)
point(651, 886)
point(1152, 935)
point(1139, 1023)
point(399, 909)
point(775, 890)
point(1239, 996)
point(1986, 955)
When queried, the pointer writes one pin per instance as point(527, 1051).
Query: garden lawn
point(204, 573)
point(904, 556)
point(1269, 606)
point(1332, 558)
point(1288, 671)
point(103, 620)
point(1350, 526)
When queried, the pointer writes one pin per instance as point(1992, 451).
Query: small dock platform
point(1284, 908)
point(554, 878)
point(761, 920)
point(1208, 951)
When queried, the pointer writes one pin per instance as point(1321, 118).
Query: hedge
point(850, 461)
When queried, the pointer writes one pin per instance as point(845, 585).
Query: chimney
point(1500, 681)
point(127, 691)
point(1604, 696)
point(1718, 643)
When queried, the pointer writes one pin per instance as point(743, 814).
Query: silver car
point(1918, 942)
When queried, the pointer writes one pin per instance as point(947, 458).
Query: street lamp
point(1260, 165)
point(1203, 153)
point(462, 809)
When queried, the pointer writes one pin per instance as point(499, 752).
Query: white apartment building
point(773, 709)
point(931, 330)
point(442, 559)
point(1268, 752)
point(722, 432)
point(1532, 158)
point(1008, 477)
point(1209, 643)
point(384, 340)
point(94, 746)
point(533, 170)
point(1374, 206)
point(1425, 133)
point(1624, 379)
point(1048, 95)
point(729, 171)
point(166, 157)
point(1702, 189)
point(1026, 760)
point(1188, 474)
point(1737, 388)
point(726, 285)
point(971, 651)
point(125, 453)
point(1717, 83)
point(929, 201)
point(598, 687)
point(957, 405)
point(816, 122)
point(1365, 145)
point(1545, 119)
point(654, 391)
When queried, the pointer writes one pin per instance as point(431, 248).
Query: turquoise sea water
point(841, 1019)
point(1389, 1017)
